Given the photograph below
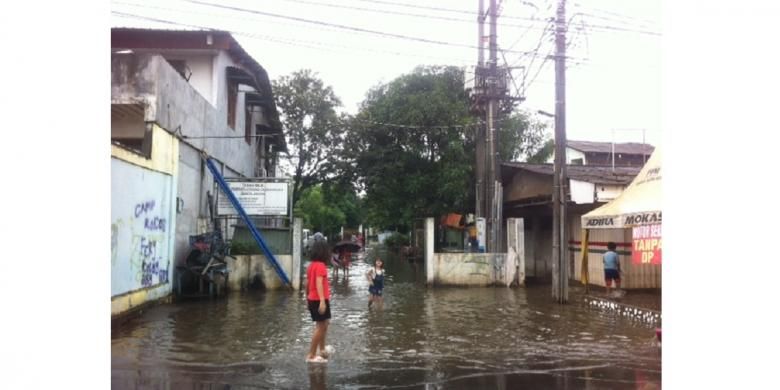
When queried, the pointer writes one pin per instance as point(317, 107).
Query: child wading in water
point(318, 298)
point(611, 267)
point(376, 276)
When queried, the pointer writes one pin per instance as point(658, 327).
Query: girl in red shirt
point(318, 298)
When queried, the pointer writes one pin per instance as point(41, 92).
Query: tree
point(523, 138)
point(425, 167)
point(327, 207)
point(318, 214)
point(308, 114)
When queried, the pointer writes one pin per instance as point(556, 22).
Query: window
point(248, 126)
point(576, 161)
point(232, 103)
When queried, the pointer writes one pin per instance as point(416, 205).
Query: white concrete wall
point(571, 154)
point(201, 66)
point(469, 269)
point(582, 192)
point(141, 212)
point(605, 193)
point(143, 222)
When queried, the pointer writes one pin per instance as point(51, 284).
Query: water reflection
point(423, 338)
point(318, 374)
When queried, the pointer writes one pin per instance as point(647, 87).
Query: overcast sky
point(613, 80)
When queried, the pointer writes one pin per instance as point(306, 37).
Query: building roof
point(143, 38)
point(606, 147)
point(588, 173)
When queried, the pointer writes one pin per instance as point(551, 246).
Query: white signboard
point(257, 198)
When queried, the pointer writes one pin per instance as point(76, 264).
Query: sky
point(613, 82)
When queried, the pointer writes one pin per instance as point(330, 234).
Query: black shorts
point(314, 310)
point(611, 274)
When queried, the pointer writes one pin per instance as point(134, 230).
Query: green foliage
point(521, 138)
point(427, 170)
point(326, 208)
point(396, 241)
point(244, 248)
point(543, 153)
point(311, 127)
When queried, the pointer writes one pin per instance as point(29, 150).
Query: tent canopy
point(639, 204)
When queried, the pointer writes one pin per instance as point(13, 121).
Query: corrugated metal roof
point(606, 147)
point(587, 173)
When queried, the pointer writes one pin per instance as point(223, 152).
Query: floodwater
point(423, 338)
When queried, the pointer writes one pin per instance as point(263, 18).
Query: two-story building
point(622, 154)
point(174, 95)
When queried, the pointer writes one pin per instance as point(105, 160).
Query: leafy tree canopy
point(408, 173)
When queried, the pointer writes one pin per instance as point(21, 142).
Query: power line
point(442, 9)
point(324, 46)
point(381, 11)
point(531, 63)
point(351, 28)
point(614, 13)
point(287, 41)
point(618, 20)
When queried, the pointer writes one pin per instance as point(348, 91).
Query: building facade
point(176, 95)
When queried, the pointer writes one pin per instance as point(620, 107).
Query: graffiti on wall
point(140, 230)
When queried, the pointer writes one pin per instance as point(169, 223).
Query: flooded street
point(423, 338)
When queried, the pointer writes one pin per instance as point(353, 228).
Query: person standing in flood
point(318, 299)
point(611, 267)
point(376, 276)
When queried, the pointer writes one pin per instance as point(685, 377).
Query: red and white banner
point(646, 248)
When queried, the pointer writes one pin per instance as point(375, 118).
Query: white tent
point(638, 205)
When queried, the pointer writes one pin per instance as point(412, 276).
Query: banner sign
point(256, 197)
point(621, 221)
point(646, 248)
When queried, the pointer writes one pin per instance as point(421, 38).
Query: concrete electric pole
point(494, 84)
point(488, 90)
point(560, 268)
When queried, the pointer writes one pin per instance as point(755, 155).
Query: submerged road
point(423, 338)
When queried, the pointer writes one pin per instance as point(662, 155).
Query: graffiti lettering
point(155, 223)
point(148, 248)
point(151, 269)
point(144, 207)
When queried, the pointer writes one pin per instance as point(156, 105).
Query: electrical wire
point(287, 41)
point(381, 11)
point(345, 27)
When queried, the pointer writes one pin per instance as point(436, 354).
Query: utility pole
point(488, 90)
point(560, 267)
point(493, 223)
point(480, 136)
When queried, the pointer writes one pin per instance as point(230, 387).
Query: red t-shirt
point(317, 268)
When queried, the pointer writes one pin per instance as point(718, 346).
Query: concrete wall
point(468, 269)
point(247, 268)
point(143, 222)
point(174, 104)
point(202, 68)
point(527, 185)
point(571, 154)
point(473, 269)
